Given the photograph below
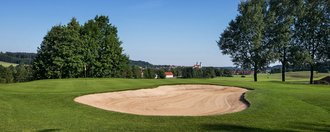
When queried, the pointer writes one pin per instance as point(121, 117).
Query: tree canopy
point(244, 39)
point(74, 50)
point(291, 32)
point(312, 30)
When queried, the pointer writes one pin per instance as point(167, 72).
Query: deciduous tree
point(312, 30)
point(72, 50)
point(244, 39)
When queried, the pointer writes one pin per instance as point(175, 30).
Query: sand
point(171, 100)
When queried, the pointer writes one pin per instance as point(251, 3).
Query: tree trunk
point(283, 65)
point(255, 74)
point(312, 74)
point(283, 72)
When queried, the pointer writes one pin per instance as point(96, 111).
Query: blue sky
point(175, 32)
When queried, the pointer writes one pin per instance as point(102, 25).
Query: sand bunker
point(171, 100)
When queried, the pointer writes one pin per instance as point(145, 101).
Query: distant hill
point(140, 63)
point(229, 68)
point(12, 58)
point(276, 67)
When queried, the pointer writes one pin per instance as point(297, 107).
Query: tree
point(60, 53)
point(2, 77)
point(108, 44)
point(48, 61)
point(149, 73)
point(197, 73)
point(72, 50)
point(103, 55)
point(136, 71)
point(208, 72)
point(244, 38)
point(227, 73)
point(161, 73)
point(218, 72)
point(22, 74)
point(127, 73)
point(278, 30)
point(6, 74)
point(312, 30)
point(187, 72)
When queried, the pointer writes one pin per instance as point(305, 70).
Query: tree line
point(24, 73)
point(292, 32)
point(19, 73)
point(178, 72)
point(17, 57)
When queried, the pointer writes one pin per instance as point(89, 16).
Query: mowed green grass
point(301, 76)
point(7, 64)
point(47, 105)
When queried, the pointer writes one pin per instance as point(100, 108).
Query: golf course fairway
point(48, 105)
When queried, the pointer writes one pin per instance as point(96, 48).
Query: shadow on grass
point(318, 127)
point(289, 82)
point(242, 99)
point(49, 130)
point(294, 127)
point(236, 128)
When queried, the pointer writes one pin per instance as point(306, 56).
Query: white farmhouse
point(169, 75)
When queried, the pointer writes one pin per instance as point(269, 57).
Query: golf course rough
point(171, 100)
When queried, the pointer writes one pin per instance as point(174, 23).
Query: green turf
point(301, 76)
point(7, 64)
point(48, 105)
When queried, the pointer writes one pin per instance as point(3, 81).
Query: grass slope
point(7, 64)
point(48, 105)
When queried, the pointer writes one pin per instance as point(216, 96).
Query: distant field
point(47, 105)
point(306, 74)
point(6, 64)
point(301, 76)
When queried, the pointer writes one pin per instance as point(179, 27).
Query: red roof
point(168, 73)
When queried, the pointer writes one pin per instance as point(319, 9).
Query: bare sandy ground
point(171, 100)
